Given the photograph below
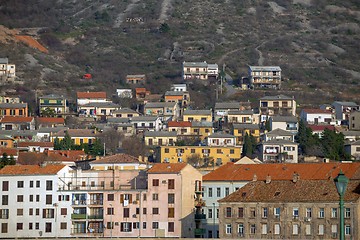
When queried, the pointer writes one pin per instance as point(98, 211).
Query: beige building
point(289, 209)
point(265, 76)
point(197, 115)
point(354, 121)
point(7, 69)
point(276, 105)
point(136, 79)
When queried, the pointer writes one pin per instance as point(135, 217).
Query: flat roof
point(265, 68)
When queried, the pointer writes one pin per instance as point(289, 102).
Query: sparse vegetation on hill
point(314, 42)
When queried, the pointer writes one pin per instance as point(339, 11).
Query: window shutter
point(122, 198)
point(44, 213)
point(122, 227)
point(130, 198)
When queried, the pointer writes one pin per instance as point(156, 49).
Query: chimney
point(268, 179)
point(296, 177)
point(255, 178)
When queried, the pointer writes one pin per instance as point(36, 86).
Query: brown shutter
point(130, 198)
point(122, 198)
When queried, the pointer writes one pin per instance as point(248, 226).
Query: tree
point(66, 143)
point(112, 139)
point(195, 160)
point(249, 145)
point(134, 146)
point(164, 28)
point(48, 112)
point(333, 145)
point(97, 148)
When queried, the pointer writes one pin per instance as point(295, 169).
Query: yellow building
point(198, 116)
point(78, 136)
point(160, 138)
point(202, 129)
point(221, 155)
point(239, 131)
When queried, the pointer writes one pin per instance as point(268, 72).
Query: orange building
point(14, 109)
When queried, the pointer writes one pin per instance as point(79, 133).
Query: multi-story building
point(90, 97)
point(136, 79)
point(54, 102)
point(242, 116)
point(228, 178)
point(219, 139)
point(14, 109)
point(98, 109)
point(6, 69)
point(180, 97)
point(317, 116)
point(239, 130)
point(78, 136)
point(179, 87)
point(276, 105)
point(198, 115)
point(289, 209)
point(195, 70)
point(278, 150)
point(146, 123)
point(17, 123)
point(265, 77)
point(354, 121)
point(164, 110)
point(160, 138)
point(125, 113)
point(344, 109)
point(222, 109)
point(288, 123)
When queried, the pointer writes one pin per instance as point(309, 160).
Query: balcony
point(99, 216)
point(291, 128)
point(200, 216)
point(79, 202)
point(200, 231)
point(96, 202)
point(78, 216)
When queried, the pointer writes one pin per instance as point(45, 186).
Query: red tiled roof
point(31, 170)
point(51, 120)
point(117, 158)
point(40, 144)
point(289, 191)
point(66, 155)
point(317, 128)
point(9, 151)
point(282, 171)
point(167, 168)
point(179, 124)
point(91, 95)
point(140, 90)
point(15, 119)
point(313, 110)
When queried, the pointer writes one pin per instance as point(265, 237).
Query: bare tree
point(195, 160)
point(134, 146)
point(112, 139)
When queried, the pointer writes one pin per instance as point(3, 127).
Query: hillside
point(316, 43)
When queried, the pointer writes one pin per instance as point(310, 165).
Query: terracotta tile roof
point(317, 128)
point(179, 124)
point(8, 151)
point(117, 158)
point(38, 144)
point(316, 111)
point(66, 155)
point(13, 119)
point(140, 90)
point(167, 168)
point(289, 191)
point(51, 120)
point(31, 170)
point(91, 95)
point(282, 171)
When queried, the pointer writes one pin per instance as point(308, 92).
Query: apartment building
point(55, 102)
point(265, 77)
point(7, 69)
point(14, 109)
point(276, 105)
point(199, 70)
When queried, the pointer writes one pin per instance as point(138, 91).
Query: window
point(228, 229)
point(37, 226)
point(295, 229)
point(125, 227)
point(232, 151)
point(63, 211)
point(38, 198)
point(171, 184)
point(241, 231)
point(210, 193)
point(334, 230)
point(20, 184)
point(277, 212)
point(30, 226)
point(171, 212)
point(126, 212)
point(252, 228)
point(321, 212)
point(295, 213)
point(37, 212)
point(277, 229)
point(347, 212)
point(166, 150)
point(308, 212)
point(333, 212)
point(252, 212)
point(19, 212)
point(47, 227)
point(5, 199)
point(48, 213)
point(227, 191)
point(155, 211)
point(218, 192)
point(19, 226)
point(110, 197)
point(31, 198)
point(321, 229)
point(155, 225)
point(171, 198)
point(308, 229)
point(171, 226)
point(136, 225)
point(31, 211)
point(63, 225)
point(347, 230)
point(228, 212)
point(155, 197)
point(265, 212)
point(49, 185)
point(264, 228)
point(37, 184)
point(144, 196)
point(20, 198)
point(155, 182)
point(210, 213)
point(240, 212)
point(4, 227)
point(137, 211)
point(144, 225)
point(110, 225)
point(5, 186)
point(144, 211)
point(48, 199)
point(110, 211)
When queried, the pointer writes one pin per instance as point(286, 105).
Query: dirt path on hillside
point(166, 7)
point(121, 16)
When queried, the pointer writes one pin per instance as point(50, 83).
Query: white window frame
point(228, 228)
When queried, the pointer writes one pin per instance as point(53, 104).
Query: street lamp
point(341, 182)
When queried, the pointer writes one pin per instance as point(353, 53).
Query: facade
point(179, 87)
point(17, 123)
point(244, 116)
point(220, 155)
point(78, 136)
point(54, 102)
point(197, 115)
point(125, 113)
point(35, 146)
point(14, 109)
point(222, 109)
point(279, 134)
point(160, 138)
point(279, 150)
point(136, 79)
point(289, 209)
point(164, 110)
point(7, 69)
point(354, 121)
point(344, 109)
point(180, 127)
point(353, 148)
point(230, 177)
point(201, 129)
point(219, 139)
point(51, 122)
point(195, 70)
point(90, 97)
point(146, 123)
point(317, 116)
point(180, 97)
point(276, 105)
point(288, 123)
point(98, 109)
point(124, 93)
point(6, 141)
point(265, 77)
point(239, 130)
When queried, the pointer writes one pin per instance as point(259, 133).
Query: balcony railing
point(96, 202)
point(78, 216)
point(199, 231)
point(200, 216)
point(99, 216)
point(79, 202)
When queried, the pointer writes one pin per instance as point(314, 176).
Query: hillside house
point(58, 103)
point(265, 77)
point(136, 79)
point(6, 69)
point(276, 105)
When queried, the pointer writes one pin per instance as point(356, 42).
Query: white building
point(179, 87)
point(317, 116)
point(7, 69)
point(124, 93)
